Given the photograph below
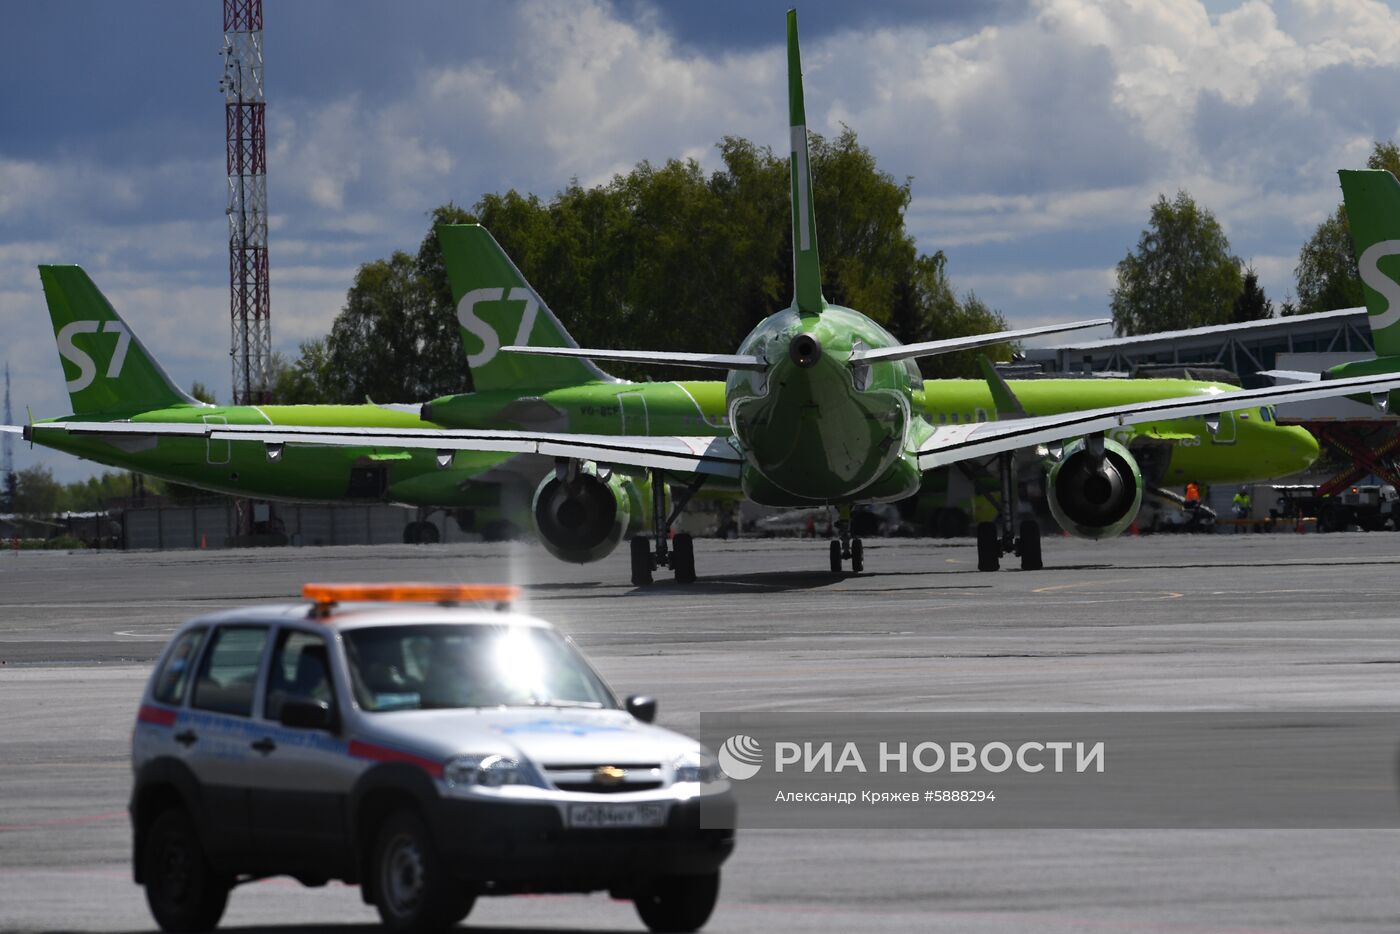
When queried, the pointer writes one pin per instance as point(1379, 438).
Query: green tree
point(203, 393)
point(664, 257)
point(1326, 274)
point(306, 380)
point(1252, 304)
point(1182, 274)
point(37, 493)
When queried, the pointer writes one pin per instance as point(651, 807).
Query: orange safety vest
point(1193, 493)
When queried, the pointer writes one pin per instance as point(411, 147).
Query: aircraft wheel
point(683, 557)
point(1030, 546)
point(988, 547)
point(641, 561)
point(857, 555)
point(835, 556)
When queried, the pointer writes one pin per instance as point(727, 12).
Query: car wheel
point(182, 890)
point(679, 903)
point(412, 888)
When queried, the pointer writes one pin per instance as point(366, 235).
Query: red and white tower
point(244, 108)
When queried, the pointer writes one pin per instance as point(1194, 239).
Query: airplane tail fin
point(107, 368)
point(1372, 199)
point(497, 308)
point(806, 263)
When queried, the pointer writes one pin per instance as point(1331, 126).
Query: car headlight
point(699, 767)
point(489, 771)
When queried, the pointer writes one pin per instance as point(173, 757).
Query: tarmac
point(1246, 622)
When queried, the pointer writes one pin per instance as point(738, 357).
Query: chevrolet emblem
point(609, 775)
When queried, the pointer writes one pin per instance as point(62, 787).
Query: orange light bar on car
point(324, 595)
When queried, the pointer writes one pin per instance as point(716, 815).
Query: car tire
point(679, 903)
point(413, 890)
point(182, 889)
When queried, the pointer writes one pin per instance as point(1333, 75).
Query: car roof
point(349, 616)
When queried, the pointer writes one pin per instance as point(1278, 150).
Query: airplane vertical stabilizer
point(497, 308)
point(1372, 199)
point(107, 369)
point(806, 264)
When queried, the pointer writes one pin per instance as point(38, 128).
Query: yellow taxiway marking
point(1055, 587)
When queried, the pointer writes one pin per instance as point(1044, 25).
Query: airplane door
point(217, 452)
point(1225, 434)
point(633, 406)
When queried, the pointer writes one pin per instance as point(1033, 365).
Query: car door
point(301, 796)
point(218, 733)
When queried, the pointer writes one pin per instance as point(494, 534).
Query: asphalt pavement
point(1248, 622)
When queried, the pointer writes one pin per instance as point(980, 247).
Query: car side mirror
point(307, 714)
point(642, 707)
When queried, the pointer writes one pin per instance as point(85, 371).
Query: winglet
point(1007, 405)
point(806, 264)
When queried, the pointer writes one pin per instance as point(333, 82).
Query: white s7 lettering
point(1369, 267)
point(490, 340)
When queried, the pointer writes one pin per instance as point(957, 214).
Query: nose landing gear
point(846, 548)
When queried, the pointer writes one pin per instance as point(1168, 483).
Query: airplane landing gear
point(845, 548)
point(995, 539)
point(676, 553)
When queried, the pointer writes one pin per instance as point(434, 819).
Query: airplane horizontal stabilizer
point(1291, 376)
point(713, 361)
point(954, 344)
point(13, 429)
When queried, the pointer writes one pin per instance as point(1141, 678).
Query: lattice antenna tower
point(244, 107)
point(7, 452)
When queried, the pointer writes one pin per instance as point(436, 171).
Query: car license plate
point(590, 816)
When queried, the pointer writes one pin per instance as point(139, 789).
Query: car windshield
point(439, 666)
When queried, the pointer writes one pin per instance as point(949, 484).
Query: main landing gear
point(679, 553)
point(995, 539)
point(844, 547)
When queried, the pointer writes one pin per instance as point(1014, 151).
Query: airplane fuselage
point(815, 429)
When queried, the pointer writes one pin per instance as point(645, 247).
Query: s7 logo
point(484, 332)
point(87, 370)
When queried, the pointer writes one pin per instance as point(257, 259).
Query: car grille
point(598, 778)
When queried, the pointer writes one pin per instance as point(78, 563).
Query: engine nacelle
point(583, 519)
point(1095, 501)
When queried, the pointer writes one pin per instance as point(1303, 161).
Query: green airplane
point(821, 407)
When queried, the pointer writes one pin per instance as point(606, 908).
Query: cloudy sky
point(1037, 134)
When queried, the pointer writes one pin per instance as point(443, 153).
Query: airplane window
point(981, 415)
point(954, 418)
point(1266, 415)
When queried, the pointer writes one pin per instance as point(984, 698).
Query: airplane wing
point(952, 443)
point(703, 455)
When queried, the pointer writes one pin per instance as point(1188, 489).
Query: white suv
point(429, 753)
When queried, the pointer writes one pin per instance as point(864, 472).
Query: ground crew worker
point(1242, 506)
point(1191, 502)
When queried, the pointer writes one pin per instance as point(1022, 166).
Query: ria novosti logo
point(740, 757)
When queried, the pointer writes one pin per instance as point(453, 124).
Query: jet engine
point(581, 517)
point(1095, 489)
